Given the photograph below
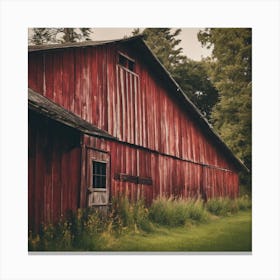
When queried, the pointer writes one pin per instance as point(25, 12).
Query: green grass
point(176, 212)
point(230, 233)
point(222, 224)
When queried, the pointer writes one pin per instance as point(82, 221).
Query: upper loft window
point(126, 62)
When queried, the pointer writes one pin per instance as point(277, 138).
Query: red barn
point(107, 118)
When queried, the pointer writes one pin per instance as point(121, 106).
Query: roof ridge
point(88, 43)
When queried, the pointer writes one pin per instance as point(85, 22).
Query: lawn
point(227, 234)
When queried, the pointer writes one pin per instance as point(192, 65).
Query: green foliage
point(41, 36)
point(176, 212)
point(93, 230)
point(244, 203)
point(196, 210)
point(192, 76)
point(221, 206)
point(52, 238)
point(226, 206)
point(86, 226)
point(164, 44)
point(80, 231)
point(231, 233)
point(230, 71)
point(127, 215)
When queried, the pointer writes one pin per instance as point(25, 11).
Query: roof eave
point(46, 107)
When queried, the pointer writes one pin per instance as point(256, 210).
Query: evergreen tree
point(40, 36)
point(59, 35)
point(190, 75)
point(231, 74)
point(193, 78)
point(164, 44)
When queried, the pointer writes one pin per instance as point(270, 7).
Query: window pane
point(103, 182)
point(99, 174)
point(103, 169)
point(122, 60)
point(95, 181)
point(94, 171)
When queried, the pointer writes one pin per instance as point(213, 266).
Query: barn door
point(98, 178)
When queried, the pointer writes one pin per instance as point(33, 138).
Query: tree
point(230, 73)
point(164, 44)
point(40, 36)
point(59, 35)
point(189, 74)
point(193, 78)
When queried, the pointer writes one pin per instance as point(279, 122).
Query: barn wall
point(136, 108)
point(170, 176)
point(53, 170)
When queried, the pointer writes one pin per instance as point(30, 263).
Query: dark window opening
point(122, 61)
point(98, 174)
point(131, 65)
point(126, 62)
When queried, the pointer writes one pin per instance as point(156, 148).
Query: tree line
point(219, 85)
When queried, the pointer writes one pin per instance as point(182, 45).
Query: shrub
point(175, 212)
point(89, 229)
point(141, 216)
point(122, 211)
point(80, 231)
point(222, 206)
point(87, 225)
point(244, 202)
point(127, 215)
point(51, 237)
point(196, 210)
point(218, 206)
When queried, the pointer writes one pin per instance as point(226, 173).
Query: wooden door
point(98, 178)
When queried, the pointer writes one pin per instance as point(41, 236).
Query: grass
point(231, 233)
point(171, 212)
point(226, 206)
point(221, 224)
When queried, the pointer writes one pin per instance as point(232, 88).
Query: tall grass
point(244, 202)
point(225, 206)
point(79, 231)
point(129, 215)
point(176, 212)
point(89, 229)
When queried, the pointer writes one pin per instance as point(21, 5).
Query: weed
point(244, 202)
point(91, 230)
point(175, 212)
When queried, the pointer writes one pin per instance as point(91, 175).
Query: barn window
point(99, 174)
point(131, 65)
point(126, 62)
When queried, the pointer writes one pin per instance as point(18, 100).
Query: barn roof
point(34, 48)
point(138, 44)
point(44, 106)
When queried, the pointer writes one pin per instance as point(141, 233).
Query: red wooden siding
point(160, 149)
point(53, 170)
point(134, 107)
point(170, 176)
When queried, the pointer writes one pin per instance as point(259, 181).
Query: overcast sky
point(191, 46)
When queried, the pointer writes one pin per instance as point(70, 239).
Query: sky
point(191, 46)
